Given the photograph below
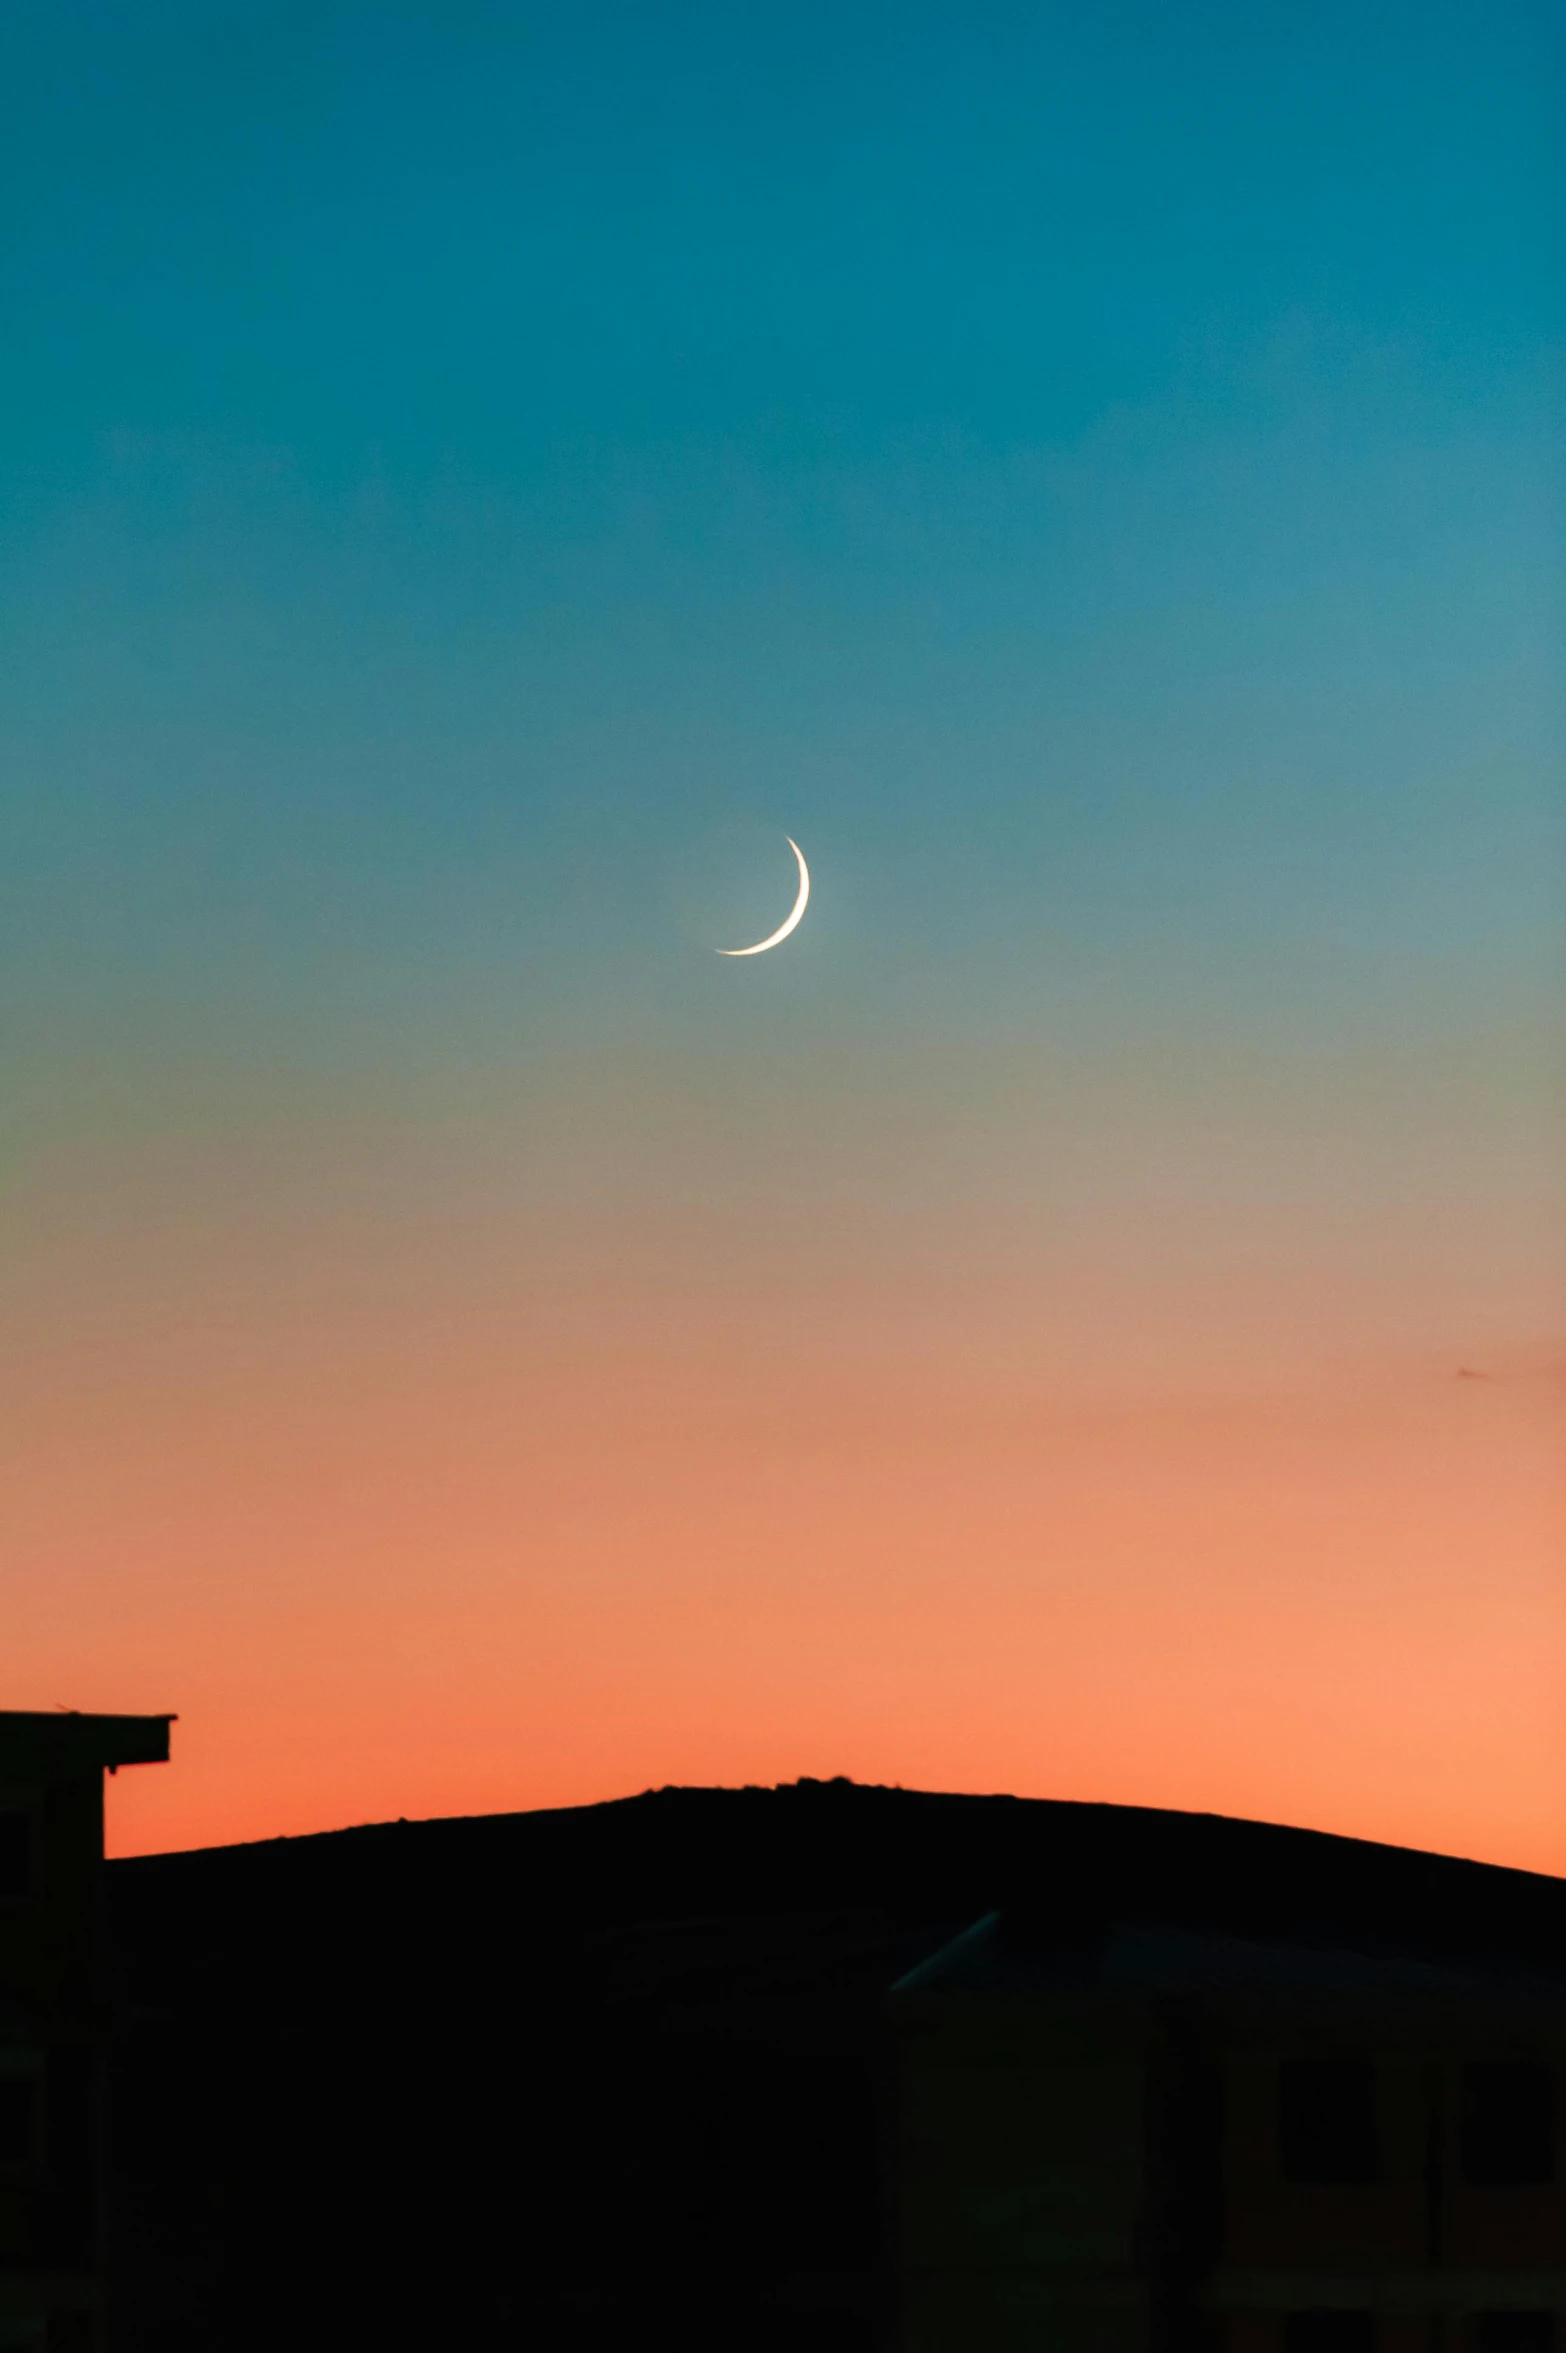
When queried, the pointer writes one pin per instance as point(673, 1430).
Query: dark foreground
point(614, 2076)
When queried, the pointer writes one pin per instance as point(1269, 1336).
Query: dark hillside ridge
point(615, 2074)
point(681, 1853)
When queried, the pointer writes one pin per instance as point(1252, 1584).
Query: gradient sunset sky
point(473, 479)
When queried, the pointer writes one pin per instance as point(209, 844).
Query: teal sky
point(474, 477)
point(1091, 480)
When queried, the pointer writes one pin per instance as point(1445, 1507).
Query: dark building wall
point(1283, 2175)
point(1418, 2239)
point(1022, 2168)
point(52, 2019)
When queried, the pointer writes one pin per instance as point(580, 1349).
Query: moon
point(794, 914)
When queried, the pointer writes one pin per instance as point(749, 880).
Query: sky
point(1085, 1315)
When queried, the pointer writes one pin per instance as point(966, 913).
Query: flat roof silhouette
point(60, 1744)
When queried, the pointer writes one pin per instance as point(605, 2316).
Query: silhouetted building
point(1121, 2133)
point(55, 2019)
point(636, 2075)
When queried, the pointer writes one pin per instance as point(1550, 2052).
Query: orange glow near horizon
point(421, 1511)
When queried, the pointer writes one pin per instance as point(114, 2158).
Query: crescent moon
point(795, 912)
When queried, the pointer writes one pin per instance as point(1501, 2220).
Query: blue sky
point(1100, 466)
point(476, 477)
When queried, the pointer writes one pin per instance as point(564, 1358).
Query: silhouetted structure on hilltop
point(633, 2073)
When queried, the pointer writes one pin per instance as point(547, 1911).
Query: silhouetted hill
point(603, 2073)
